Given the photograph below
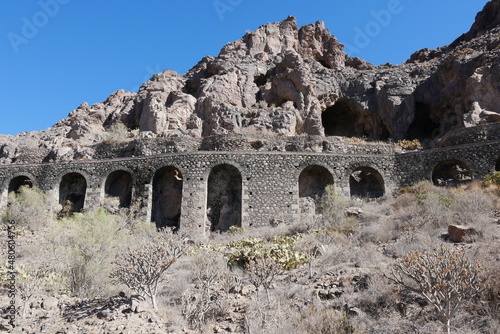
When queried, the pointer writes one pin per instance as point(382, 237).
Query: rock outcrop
point(282, 80)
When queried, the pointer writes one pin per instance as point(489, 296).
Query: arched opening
point(72, 192)
point(167, 197)
point(497, 165)
point(422, 127)
point(340, 120)
point(118, 189)
point(366, 182)
point(313, 181)
point(224, 197)
point(18, 182)
point(451, 173)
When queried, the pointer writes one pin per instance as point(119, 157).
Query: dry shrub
point(379, 299)
point(474, 207)
point(490, 261)
point(208, 298)
point(323, 321)
point(381, 231)
point(268, 318)
point(411, 242)
point(425, 208)
point(392, 322)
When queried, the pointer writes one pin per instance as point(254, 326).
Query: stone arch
point(72, 191)
point(167, 197)
point(366, 182)
point(19, 181)
point(224, 197)
point(313, 181)
point(119, 186)
point(451, 173)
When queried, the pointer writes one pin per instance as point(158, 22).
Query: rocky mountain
point(282, 80)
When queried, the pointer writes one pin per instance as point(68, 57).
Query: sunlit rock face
point(285, 80)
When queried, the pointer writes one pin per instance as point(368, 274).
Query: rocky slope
point(282, 80)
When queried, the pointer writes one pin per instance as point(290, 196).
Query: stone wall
point(269, 180)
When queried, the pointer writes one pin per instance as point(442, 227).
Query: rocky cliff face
point(290, 81)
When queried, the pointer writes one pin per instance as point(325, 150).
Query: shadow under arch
point(19, 181)
point(119, 186)
point(72, 191)
point(167, 197)
point(313, 181)
point(451, 173)
point(224, 197)
point(366, 182)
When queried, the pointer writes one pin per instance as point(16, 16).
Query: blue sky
point(56, 54)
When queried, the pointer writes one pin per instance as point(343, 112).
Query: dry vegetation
point(389, 270)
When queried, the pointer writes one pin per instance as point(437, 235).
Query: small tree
point(29, 283)
point(143, 268)
point(444, 277)
point(262, 272)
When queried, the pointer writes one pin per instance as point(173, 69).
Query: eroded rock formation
point(288, 81)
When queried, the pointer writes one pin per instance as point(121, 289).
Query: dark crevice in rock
point(260, 80)
point(340, 120)
point(423, 127)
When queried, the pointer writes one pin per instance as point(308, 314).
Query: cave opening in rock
point(340, 120)
point(497, 165)
point(366, 182)
point(72, 190)
point(224, 197)
point(313, 181)
point(422, 127)
point(118, 187)
point(323, 62)
point(260, 80)
point(451, 173)
point(167, 197)
point(18, 182)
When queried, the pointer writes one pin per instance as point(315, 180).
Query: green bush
point(332, 206)
point(279, 248)
point(28, 208)
point(117, 132)
point(86, 244)
point(492, 179)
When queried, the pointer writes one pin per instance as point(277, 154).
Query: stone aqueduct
point(240, 188)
